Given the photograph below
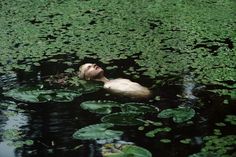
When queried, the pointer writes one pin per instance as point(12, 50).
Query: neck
point(102, 79)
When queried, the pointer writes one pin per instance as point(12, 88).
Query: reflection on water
point(188, 87)
point(13, 122)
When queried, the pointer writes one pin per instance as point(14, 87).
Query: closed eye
point(88, 68)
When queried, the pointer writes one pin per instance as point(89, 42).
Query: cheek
point(91, 72)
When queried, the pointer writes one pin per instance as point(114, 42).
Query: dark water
point(51, 125)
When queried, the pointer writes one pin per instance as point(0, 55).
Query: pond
point(47, 128)
point(183, 51)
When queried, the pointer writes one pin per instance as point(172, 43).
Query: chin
point(99, 74)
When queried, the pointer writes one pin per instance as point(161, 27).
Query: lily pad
point(185, 141)
point(153, 133)
point(100, 107)
point(111, 150)
point(97, 131)
point(231, 119)
point(139, 107)
point(165, 140)
point(123, 118)
point(179, 115)
point(65, 96)
point(30, 94)
point(40, 95)
point(85, 86)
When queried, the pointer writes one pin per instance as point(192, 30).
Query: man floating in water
point(119, 86)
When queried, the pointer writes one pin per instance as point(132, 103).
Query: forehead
point(84, 66)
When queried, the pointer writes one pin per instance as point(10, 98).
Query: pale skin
point(119, 86)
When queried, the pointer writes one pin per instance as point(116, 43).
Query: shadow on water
point(51, 125)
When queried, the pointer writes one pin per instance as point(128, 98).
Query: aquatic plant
point(101, 107)
point(29, 94)
point(14, 138)
point(231, 119)
point(138, 107)
point(97, 131)
point(38, 94)
point(185, 141)
point(105, 107)
point(217, 146)
point(179, 115)
point(123, 118)
point(153, 133)
point(112, 150)
point(169, 37)
point(165, 140)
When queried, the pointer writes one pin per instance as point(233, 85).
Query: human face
point(90, 71)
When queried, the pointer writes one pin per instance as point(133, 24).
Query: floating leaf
point(220, 124)
point(123, 118)
point(65, 96)
point(29, 94)
point(29, 142)
point(153, 133)
point(179, 115)
point(101, 107)
point(138, 107)
point(217, 146)
point(231, 119)
point(86, 86)
point(11, 134)
point(186, 141)
point(111, 150)
point(165, 140)
point(69, 70)
point(97, 131)
point(39, 95)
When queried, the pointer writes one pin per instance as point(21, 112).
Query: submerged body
point(120, 86)
point(128, 88)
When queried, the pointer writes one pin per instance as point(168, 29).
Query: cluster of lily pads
point(128, 116)
point(219, 144)
point(39, 94)
point(132, 113)
point(170, 37)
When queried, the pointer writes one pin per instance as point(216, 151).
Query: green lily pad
point(179, 115)
point(153, 133)
point(65, 96)
point(39, 95)
point(85, 86)
point(123, 118)
point(138, 107)
point(111, 150)
point(165, 140)
point(231, 119)
point(185, 141)
point(30, 94)
point(97, 131)
point(100, 107)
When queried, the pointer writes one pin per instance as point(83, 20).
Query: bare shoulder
point(126, 87)
point(118, 82)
